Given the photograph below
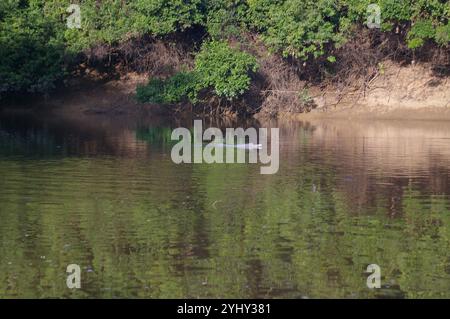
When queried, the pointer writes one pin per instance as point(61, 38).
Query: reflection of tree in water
point(31, 134)
point(155, 135)
point(144, 227)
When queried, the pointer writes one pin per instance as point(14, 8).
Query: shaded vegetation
point(217, 66)
point(37, 48)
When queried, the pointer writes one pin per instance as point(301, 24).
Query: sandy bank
point(414, 92)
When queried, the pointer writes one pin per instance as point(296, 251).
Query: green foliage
point(305, 97)
point(224, 69)
point(306, 28)
point(31, 51)
point(34, 39)
point(181, 86)
point(160, 17)
point(442, 35)
point(331, 59)
point(424, 30)
point(297, 30)
point(396, 10)
point(226, 18)
point(116, 20)
point(217, 66)
point(140, 219)
point(421, 31)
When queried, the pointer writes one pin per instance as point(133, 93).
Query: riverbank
point(229, 59)
point(398, 92)
point(403, 93)
point(414, 92)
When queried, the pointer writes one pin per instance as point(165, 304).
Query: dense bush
point(34, 40)
point(226, 18)
point(160, 17)
point(219, 67)
point(297, 30)
point(110, 21)
point(305, 28)
point(182, 86)
point(224, 69)
point(31, 51)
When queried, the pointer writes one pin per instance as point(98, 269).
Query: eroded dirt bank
point(414, 92)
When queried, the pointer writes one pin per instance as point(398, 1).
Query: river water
point(103, 193)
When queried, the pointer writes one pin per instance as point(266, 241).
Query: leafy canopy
point(35, 44)
point(219, 67)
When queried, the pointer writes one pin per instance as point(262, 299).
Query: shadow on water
point(102, 192)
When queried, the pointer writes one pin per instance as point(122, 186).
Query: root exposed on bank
point(363, 65)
